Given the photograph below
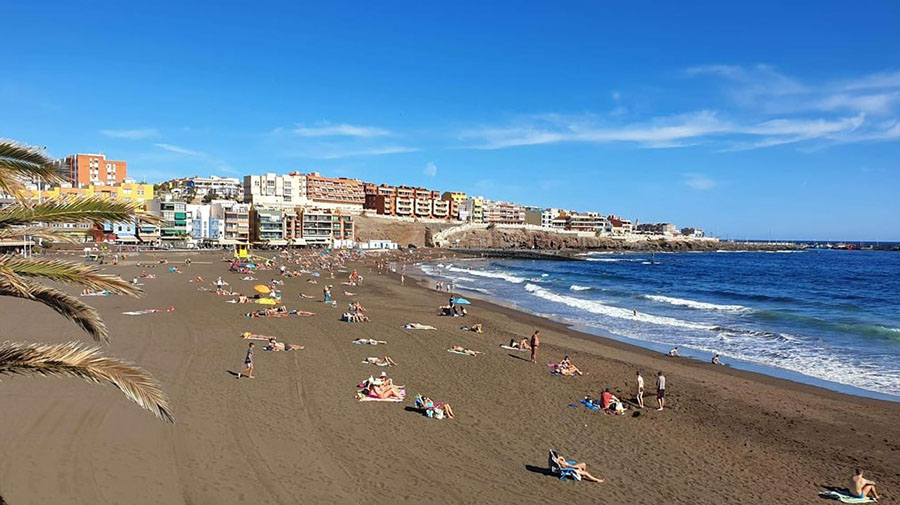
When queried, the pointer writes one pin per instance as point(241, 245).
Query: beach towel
point(418, 326)
point(844, 498)
point(97, 293)
point(147, 311)
point(512, 348)
point(589, 404)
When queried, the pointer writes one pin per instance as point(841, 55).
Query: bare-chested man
point(535, 343)
point(862, 487)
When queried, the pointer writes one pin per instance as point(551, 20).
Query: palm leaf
point(67, 273)
point(18, 161)
point(91, 210)
point(85, 316)
point(75, 360)
point(44, 232)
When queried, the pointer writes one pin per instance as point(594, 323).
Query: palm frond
point(19, 161)
point(44, 232)
point(75, 360)
point(85, 316)
point(90, 210)
point(67, 273)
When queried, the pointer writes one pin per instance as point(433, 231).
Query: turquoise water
point(824, 315)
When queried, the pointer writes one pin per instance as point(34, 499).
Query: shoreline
point(778, 376)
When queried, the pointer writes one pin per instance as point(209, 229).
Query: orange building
point(84, 170)
point(330, 192)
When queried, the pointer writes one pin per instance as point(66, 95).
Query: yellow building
point(127, 191)
point(454, 196)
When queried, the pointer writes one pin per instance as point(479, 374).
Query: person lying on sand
point(307, 297)
point(432, 409)
point(418, 326)
point(381, 388)
point(368, 341)
point(385, 361)
point(464, 350)
point(580, 469)
point(275, 345)
point(477, 328)
point(565, 367)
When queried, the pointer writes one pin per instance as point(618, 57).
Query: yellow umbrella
point(261, 288)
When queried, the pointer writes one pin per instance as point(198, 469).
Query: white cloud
point(333, 154)
point(430, 169)
point(181, 150)
point(136, 134)
point(325, 129)
point(698, 181)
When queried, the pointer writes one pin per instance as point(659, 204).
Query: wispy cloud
point(333, 154)
point(430, 169)
point(136, 134)
point(698, 181)
point(326, 129)
point(181, 150)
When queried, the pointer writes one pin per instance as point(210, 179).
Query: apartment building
point(83, 170)
point(174, 225)
point(223, 187)
point(326, 227)
point(656, 228)
point(472, 210)
point(405, 201)
point(502, 213)
point(267, 226)
point(619, 226)
point(234, 219)
point(271, 190)
point(335, 193)
point(587, 221)
point(548, 216)
point(128, 191)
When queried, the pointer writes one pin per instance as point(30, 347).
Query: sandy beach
point(297, 434)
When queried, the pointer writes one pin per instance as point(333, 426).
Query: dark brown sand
point(296, 434)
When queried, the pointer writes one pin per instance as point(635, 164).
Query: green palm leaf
point(18, 161)
point(91, 210)
point(75, 360)
point(67, 273)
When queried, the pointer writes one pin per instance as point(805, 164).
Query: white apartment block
point(271, 190)
point(224, 187)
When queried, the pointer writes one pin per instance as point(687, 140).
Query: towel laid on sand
point(147, 311)
point(844, 498)
point(589, 404)
point(513, 348)
point(418, 326)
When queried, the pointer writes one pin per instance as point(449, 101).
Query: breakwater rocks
point(530, 240)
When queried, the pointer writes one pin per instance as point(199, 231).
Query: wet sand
point(296, 434)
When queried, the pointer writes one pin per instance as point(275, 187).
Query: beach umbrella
point(462, 301)
point(261, 288)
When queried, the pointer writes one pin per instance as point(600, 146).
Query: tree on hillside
point(20, 278)
point(210, 196)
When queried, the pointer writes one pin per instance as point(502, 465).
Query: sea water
point(832, 317)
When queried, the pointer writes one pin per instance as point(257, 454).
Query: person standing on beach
point(640, 390)
point(535, 343)
point(248, 363)
point(661, 390)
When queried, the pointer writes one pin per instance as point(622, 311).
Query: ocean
point(825, 317)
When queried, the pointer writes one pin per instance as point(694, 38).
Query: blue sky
point(761, 120)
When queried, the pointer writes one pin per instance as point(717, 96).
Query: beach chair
point(562, 473)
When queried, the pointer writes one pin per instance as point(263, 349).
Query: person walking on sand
point(248, 362)
point(661, 390)
point(535, 343)
point(861, 487)
point(640, 390)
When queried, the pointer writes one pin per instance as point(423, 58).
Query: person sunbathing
point(477, 328)
point(568, 370)
point(253, 336)
point(417, 326)
point(385, 389)
point(580, 469)
point(464, 350)
point(385, 361)
point(435, 409)
point(275, 345)
point(368, 341)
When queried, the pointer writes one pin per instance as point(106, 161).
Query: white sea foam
point(607, 260)
point(694, 304)
point(576, 287)
point(597, 307)
point(493, 275)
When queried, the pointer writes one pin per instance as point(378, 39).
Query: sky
point(766, 120)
